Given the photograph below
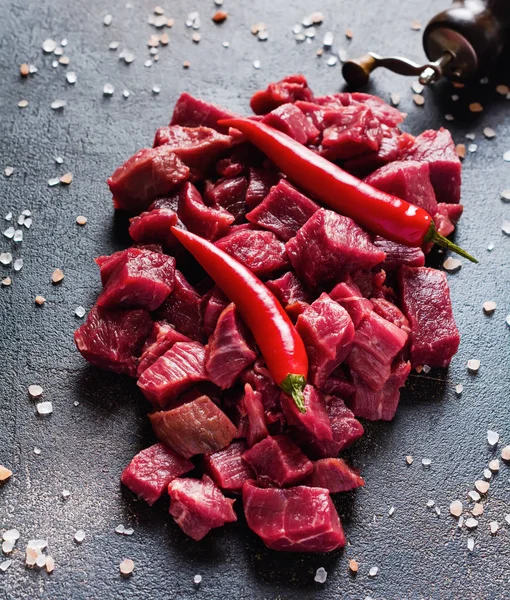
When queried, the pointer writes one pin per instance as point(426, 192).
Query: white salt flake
point(7, 547)
point(373, 571)
point(459, 388)
point(482, 487)
point(18, 264)
point(426, 462)
point(226, 44)
point(342, 55)
point(492, 438)
point(107, 20)
point(128, 57)
point(71, 77)
point(409, 459)
point(11, 535)
point(64, 42)
point(507, 519)
point(129, 531)
point(44, 408)
point(37, 451)
point(456, 508)
point(147, 63)
point(21, 219)
point(438, 511)
point(321, 575)
point(65, 494)
point(430, 503)
point(35, 391)
point(256, 64)
point(49, 46)
point(80, 312)
point(26, 212)
point(113, 45)
point(54, 64)
point(505, 195)
point(6, 258)
point(470, 136)
point(58, 51)
point(452, 265)
point(108, 89)
point(53, 181)
point(490, 247)
point(332, 61)
point(489, 307)
point(494, 526)
point(18, 235)
point(474, 495)
point(8, 216)
point(489, 133)
point(487, 474)
point(473, 365)
point(507, 320)
point(449, 117)
point(119, 529)
point(126, 93)
point(327, 40)
point(460, 522)
point(471, 544)
point(417, 87)
point(38, 544)
point(58, 104)
point(8, 171)
point(40, 561)
point(28, 222)
point(50, 564)
point(472, 148)
point(494, 465)
point(391, 512)
point(126, 567)
point(5, 565)
point(426, 369)
point(9, 233)
point(505, 227)
point(471, 523)
point(156, 89)
point(197, 579)
point(79, 536)
point(506, 156)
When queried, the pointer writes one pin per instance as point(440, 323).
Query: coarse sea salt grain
point(507, 519)
point(505, 453)
point(471, 544)
point(492, 437)
point(79, 312)
point(505, 227)
point(477, 510)
point(6, 258)
point(197, 579)
point(44, 408)
point(487, 474)
point(119, 529)
point(474, 495)
point(456, 508)
point(494, 526)
point(7, 547)
point(5, 565)
point(126, 567)
point(426, 462)
point(471, 523)
point(79, 536)
point(473, 365)
point(65, 494)
point(321, 575)
point(494, 465)
point(373, 571)
point(37, 544)
point(108, 89)
point(11, 535)
point(430, 503)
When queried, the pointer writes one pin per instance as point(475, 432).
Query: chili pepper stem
point(434, 236)
point(294, 386)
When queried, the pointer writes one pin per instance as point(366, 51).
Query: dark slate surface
point(85, 447)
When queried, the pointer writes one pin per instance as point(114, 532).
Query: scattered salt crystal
point(71, 77)
point(37, 451)
point(471, 523)
point(128, 57)
point(471, 544)
point(489, 307)
point(256, 64)
point(40, 561)
point(6, 281)
point(321, 575)
point(494, 465)
point(430, 503)
point(490, 247)
point(11, 535)
point(28, 222)
point(8, 171)
point(7, 547)
point(9, 233)
point(472, 147)
point(57, 276)
point(147, 63)
point(426, 462)
point(489, 133)
point(38, 544)
point(459, 388)
point(113, 45)
point(492, 437)
point(49, 46)
point(409, 459)
point(81, 220)
point(505, 195)
point(438, 511)
point(470, 136)
point(460, 522)
point(342, 55)
point(129, 531)
point(494, 526)
point(473, 365)
point(23, 103)
point(391, 512)
point(126, 93)
point(50, 564)
point(156, 89)
point(327, 40)
point(79, 312)
point(53, 181)
point(395, 99)
point(21, 219)
point(6, 258)
point(79, 536)
point(505, 227)
point(107, 20)
point(58, 104)
point(332, 60)
point(456, 508)
point(475, 107)
point(426, 369)
point(66, 179)
point(8, 216)
point(119, 529)
point(417, 87)
point(18, 264)
point(5, 565)
point(197, 579)
point(226, 44)
point(505, 453)
point(418, 99)
point(108, 89)
point(262, 35)
point(474, 495)
point(76, 403)
point(40, 300)
point(373, 571)
point(507, 320)
point(18, 235)
point(126, 567)
point(506, 156)
point(44, 408)
point(477, 510)
point(507, 519)
point(449, 117)
point(65, 494)
point(487, 474)
point(26, 212)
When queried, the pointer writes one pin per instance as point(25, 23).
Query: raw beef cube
point(197, 427)
point(289, 89)
point(288, 289)
point(260, 182)
point(348, 295)
point(387, 310)
point(193, 112)
point(438, 150)
point(228, 352)
point(289, 119)
point(425, 300)
point(230, 167)
point(227, 468)
point(199, 506)
point(376, 343)
point(398, 254)
point(151, 470)
point(338, 384)
point(382, 404)
point(155, 226)
point(334, 475)
point(278, 461)
point(350, 131)
point(446, 218)
point(385, 113)
point(158, 347)
point(173, 373)
point(327, 332)
point(406, 179)
point(213, 305)
point(260, 251)
point(113, 339)
point(197, 147)
point(183, 308)
point(346, 428)
point(299, 519)
point(283, 211)
point(230, 194)
point(255, 428)
point(295, 309)
point(313, 112)
point(329, 245)
point(143, 279)
point(108, 264)
point(149, 174)
point(261, 381)
point(312, 430)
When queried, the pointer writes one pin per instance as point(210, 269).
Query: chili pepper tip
point(294, 386)
point(434, 236)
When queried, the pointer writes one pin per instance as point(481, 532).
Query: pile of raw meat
point(366, 308)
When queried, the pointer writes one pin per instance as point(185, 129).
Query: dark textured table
point(84, 447)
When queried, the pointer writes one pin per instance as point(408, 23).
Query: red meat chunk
point(334, 475)
point(289, 89)
point(376, 343)
point(278, 461)
point(289, 119)
point(108, 264)
point(283, 211)
point(113, 339)
point(197, 147)
point(256, 428)
point(227, 468)
point(229, 194)
point(210, 222)
point(392, 313)
point(438, 150)
point(338, 384)
point(155, 226)
point(346, 428)
point(199, 506)
point(228, 352)
point(312, 430)
point(173, 373)
point(260, 251)
point(141, 279)
point(197, 427)
point(313, 112)
point(406, 179)
point(329, 245)
point(193, 112)
point(386, 114)
point(261, 381)
point(398, 254)
point(159, 346)
point(260, 182)
point(382, 404)
point(445, 218)
point(213, 305)
point(348, 295)
point(151, 470)
point(183, 308)
point(327, 332)
point(288, 289)
point(149, 174)
point(425, 300)
point(350, 131)
point(299, 519)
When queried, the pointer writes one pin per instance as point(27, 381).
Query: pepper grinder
point(462, 44)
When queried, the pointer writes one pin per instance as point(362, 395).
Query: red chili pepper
point(377, 211)
point(280, 344)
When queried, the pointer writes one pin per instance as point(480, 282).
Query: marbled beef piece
point(289, 119)
point(108, 264)
point(183, 308)
point(213, 304)
point(382, 404)
point(283, 211)
point(228, 352)
point(337, 384)
point(288, 289)
point(197, 427)
point(173, 373)
point(313, 112)
point(165, 337)
point(149, 174)
point(260, 183)
point(113, 339)
point(193, 112)
point(261, 381)
point(392, 313)
point(198, 506)
point(229, 194)
point(398, 254)
point(289, 89)
point(154, 226)
point(327, 332)
point(445, 218)
point(276, 460)
point(438, 150)
point(151, 470)
point(299, 519)
point(408, 180)
point(346, 428)
point(255, 427)
point(329, 245)
point(227, 468)
point(140, 279)
point(261, 251)
point(348, 295)
point(334, 475)
point(198, 147)
point(425, 301)
point(386, 114)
